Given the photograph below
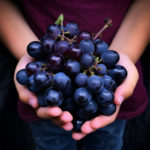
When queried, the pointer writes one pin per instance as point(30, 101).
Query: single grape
point(32, 68)
point(72, 67)
point(48, 45)
point(22, 76)
point(72, 28)
point(82, 96)
point(90, 108)
point(53, 97)
point(107, 109)
point(75, 53)
point(53, 30)
point(42, 79)
point(61, 81)
point(86, 46)
point(81, 79)
point(84, 35)
point(118, 73)
point(56, 61)
point(62, 47)
point(34, 49)
point(87, 60)
point(95, 84)
point(100, 47)
point(105, 97)
point(110, 58)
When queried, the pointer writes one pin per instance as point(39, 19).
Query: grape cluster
point(73, 70)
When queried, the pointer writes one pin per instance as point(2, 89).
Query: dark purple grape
point(62, 47)
point(34, 49)
point(110, 58)
point(42, 79)
point(72, 28)
point(82, 96)
point(48, 45)
point(86, 46)
point(53, 97)
point(61, 81)
point(84, 35)
point(105, 97)
point(75, 52)
point(53, 30)
point(95, 84)
point(100, 47)
point(56, 61)
point(32, 68)
point(72, 67)
point(90, 108)
point(118, 73)
point(107, 109)
point(22, 76)
point(81, 79)
point(87, 60)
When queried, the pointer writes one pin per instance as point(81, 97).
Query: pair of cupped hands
point(63, 118)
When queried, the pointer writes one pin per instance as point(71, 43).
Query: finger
point(66, 117)
point(27, 97)
point(48, 112)
point(78, 136)
point(102, 121)
point(67, 126)
point(87, 128)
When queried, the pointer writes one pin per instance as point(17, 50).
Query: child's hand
point(124, 91)
point(59, 117)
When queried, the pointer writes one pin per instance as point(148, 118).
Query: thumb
point(126, 89)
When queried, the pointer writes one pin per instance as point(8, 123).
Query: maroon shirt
point(89, 14)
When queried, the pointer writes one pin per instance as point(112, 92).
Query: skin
point(130, 41)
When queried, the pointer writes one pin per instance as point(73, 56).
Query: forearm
point(14, 31)
point(134, 32)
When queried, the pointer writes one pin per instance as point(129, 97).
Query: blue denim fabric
point(48, 136)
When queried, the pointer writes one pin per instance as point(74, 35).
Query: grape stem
point(108, 24)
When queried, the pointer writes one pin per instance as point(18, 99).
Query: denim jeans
point(48, 136)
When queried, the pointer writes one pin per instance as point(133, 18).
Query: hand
point(124, 91)
point(59, 117)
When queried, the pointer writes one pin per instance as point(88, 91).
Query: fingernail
point(121, 99)
point(32, 102)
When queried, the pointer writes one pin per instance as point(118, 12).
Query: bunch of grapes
point(74, 70)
